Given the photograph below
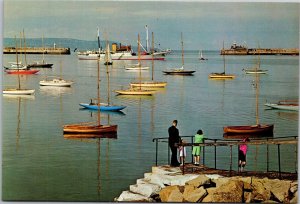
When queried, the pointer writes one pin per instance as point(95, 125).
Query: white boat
point(284, 105)
point(201, 56)
point(137, 66)
point(16, 91)
point(56, 82)
point(255, 71)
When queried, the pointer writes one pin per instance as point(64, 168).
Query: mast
point(147, 40)
point(19, 83)
point(107, 73)
point(25, 48)
point(98, 88)
point(182, 55)
point(99, 46)
point(223, 58)
point(257, 88)
point(152, 56)
point(43, 49)
point(139, 58)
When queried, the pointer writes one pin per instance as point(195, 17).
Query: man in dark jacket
point(174, 138)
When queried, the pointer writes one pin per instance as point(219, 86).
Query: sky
point(204, 25)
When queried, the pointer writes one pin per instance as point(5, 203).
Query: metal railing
point(231, 143)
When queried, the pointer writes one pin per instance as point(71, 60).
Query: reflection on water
point(98, 140)
point(55, 91)
point(27, 97)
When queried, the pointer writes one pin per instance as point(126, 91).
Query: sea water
point(39, 164)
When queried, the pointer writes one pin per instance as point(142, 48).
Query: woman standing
point(199, 138)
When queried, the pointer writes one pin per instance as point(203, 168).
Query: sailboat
point(18, 90)
point(18, 68)
point(260, 129)
point(201, 56)
point(150, 84)
point(91, 127)
point(56, 81)
point(180, 71)
point(256, 69)
point(222, 75)
point(108, 59)
point(103, 106)
point(41, 64)
point(136, 90)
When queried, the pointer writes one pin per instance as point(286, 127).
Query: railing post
point(156, 152)
point(279, 166)
point(203, 153)
point(168, 152)
point(192, 139)
point(215, 153)
point(230, 159)
point(296, 154)
point(267, 156)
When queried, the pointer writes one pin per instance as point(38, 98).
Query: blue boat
point(102, 107)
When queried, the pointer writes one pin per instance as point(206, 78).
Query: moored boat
point(89, 128)
point(102, 106)
point(15, 91)
point(22, 71)
point(56, 82)
point(250, 129)
point(291, 105)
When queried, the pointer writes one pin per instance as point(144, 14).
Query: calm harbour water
point(40, 165)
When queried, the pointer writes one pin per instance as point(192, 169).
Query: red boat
point(25, 71)
point(249, 129)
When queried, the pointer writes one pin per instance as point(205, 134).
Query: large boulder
point(132, 197)
point(171, 194)
point(199, 181)
point(260, 192)
point(192, 194)
point(145, 189)
point(232, 191)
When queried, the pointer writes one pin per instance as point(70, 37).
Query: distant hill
point(60, 42)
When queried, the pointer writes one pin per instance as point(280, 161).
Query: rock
point(166, 170)
point(232, 191)
point(199, 181)
point(171, 194)
point(247, 197)
point(219, 182)
point(259, 191)
point(294, 187)
point(279, 188)
point(294, 199)
point(208, 197)
point(145, 189)
point(133, 197)
point(192, 194)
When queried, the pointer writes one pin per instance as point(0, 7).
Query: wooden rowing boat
point(249, 129)
point(89, 128)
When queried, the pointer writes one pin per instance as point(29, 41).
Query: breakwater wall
point(38, 50)
point(166, 184)
point(260, 51)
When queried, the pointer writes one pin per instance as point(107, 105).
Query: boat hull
point(46, 65)
point(21, 71)
point(119, 56)
point(89, 129)
point(134, 92)
point(149, 84)
point(221, 76)
point(291, 107)
point(56, 83)
point(18, 91)
point(249, 129)
point(179, 72)
point(102, 107)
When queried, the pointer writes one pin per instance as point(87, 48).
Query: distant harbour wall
point(260, 51)
point(38, 50)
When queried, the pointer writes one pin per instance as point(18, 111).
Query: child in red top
point(242, 154)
